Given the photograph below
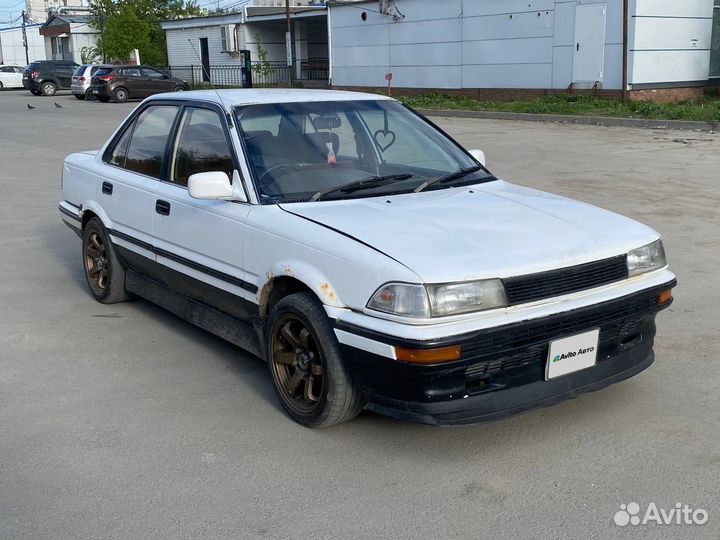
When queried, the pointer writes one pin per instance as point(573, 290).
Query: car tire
point(89, 95)
point(35, 92)
point(103, 99)
point(48, 88)
point(104, 274)
point(79, 96)
point(1, 85)
point(120, 95)
point(306, 365)
point(179, 89)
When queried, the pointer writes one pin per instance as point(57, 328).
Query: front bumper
point(501, 371)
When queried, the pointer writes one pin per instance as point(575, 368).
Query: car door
point(156, 81)
point(64, 73)
point(135, 162)
point(199, 243)
point(135, 83)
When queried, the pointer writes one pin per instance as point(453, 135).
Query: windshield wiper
point(449, 177)
point(365, 183)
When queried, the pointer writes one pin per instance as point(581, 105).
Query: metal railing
point(263, 74)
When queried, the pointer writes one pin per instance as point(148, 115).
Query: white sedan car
point(365, 255)
point(11, 77)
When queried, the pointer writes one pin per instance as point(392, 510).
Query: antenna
point(209, 80)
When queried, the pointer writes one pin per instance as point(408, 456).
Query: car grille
point(500, 350)
point(532, 287)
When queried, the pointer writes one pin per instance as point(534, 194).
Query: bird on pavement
point(58, 106)
point(30, 107)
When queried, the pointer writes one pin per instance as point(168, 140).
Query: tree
point(125, 25)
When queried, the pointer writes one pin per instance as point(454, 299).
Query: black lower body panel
point(214, 321)
point(501, 371)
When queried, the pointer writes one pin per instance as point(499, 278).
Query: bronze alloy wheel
point(296, 364)
point(96, 263)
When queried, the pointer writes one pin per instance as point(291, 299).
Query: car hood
point(489, 230)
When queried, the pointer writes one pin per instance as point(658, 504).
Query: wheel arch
point(91, 210)
point(290, 278)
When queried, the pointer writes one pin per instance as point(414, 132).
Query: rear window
point(79, 71)
point(102, 71)
point(31, 67)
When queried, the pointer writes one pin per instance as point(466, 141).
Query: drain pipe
point(626, 16)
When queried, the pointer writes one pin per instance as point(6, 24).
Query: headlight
point(420, 301)
point(646, 259)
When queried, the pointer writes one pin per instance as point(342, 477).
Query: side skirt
point(216, 322)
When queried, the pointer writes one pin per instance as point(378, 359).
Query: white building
point(12, 50)
point(495, 46)
point(66, 36)
point(38, 11)
point(215, 42)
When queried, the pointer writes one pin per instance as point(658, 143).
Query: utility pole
point(24, 36)
point(289, 44)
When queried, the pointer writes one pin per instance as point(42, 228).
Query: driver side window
point(201, 146)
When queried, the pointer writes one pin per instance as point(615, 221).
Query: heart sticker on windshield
point(384, 139)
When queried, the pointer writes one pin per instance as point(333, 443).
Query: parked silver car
point(80, 86)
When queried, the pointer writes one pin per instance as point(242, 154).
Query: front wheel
point(104, 273)
point(306, 364)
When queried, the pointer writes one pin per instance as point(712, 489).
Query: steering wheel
point(274, 168)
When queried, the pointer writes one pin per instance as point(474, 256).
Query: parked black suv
point(120, 83)
point(48, 76)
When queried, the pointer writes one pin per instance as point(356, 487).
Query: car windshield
point(341, 149)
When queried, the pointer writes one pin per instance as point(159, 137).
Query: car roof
point(257, 96)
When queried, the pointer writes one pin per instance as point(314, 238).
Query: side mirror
point(478, 155)
point(211, 186)
point(214, 186)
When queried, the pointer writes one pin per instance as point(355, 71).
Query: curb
point(580, 120)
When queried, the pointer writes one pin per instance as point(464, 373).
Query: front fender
point(312, 277)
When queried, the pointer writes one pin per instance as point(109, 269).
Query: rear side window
point(146, 149)
point(202, 146)
point(130, 72)
point(117, 156)
point(79, 71)
point(31, 67)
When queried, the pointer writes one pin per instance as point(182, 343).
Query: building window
point(715, 50)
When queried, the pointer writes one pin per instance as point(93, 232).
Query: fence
point(263, 74)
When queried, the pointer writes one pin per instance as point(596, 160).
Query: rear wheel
point(120, 95)
point(306, 364)
point(1, 85)
point(48, 89)
point(179, 89)
point(104, 273)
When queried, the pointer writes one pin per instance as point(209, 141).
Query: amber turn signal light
point(665, 296)
point(428, 356)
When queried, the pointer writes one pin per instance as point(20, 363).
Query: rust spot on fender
point(327, 291)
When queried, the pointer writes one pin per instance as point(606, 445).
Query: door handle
point(107, 188)
point(162, 207)
point(577, 47)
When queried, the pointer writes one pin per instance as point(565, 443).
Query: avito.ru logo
point(681, 514)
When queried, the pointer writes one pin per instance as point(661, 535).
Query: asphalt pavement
point(125, 422)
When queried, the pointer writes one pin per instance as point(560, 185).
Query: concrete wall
point(524, 44)
point(11, 46)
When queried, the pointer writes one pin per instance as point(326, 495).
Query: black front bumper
point(502, 370)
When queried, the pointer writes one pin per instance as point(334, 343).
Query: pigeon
point(30, 107)
point(58, 106)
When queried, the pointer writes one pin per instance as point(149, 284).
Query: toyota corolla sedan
point(367, 257)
